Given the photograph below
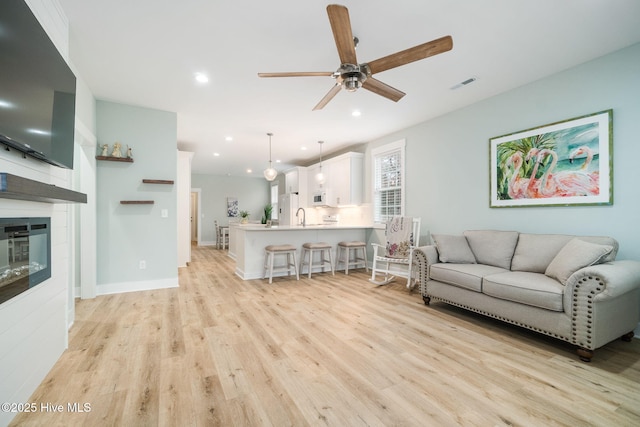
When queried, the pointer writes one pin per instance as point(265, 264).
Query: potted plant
point(245, 217)
point(267, 213)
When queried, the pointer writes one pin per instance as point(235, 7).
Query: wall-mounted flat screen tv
point(37, 89)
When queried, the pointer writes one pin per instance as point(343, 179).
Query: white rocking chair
point(402, 237)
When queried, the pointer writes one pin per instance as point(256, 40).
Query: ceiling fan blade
point(298, 74)
point(328, 97)
point(376, 86)
point(415, 53)
point(341, 27)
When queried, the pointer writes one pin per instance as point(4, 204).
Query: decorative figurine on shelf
point(116, 150)
point(105, 150)
point(129, 153)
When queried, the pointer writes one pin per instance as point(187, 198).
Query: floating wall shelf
point(17, 187)
point(136, 202)
point(157, 181)
point(115, 159)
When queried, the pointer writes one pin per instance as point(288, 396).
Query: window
point(388, 181)
point(274, 201)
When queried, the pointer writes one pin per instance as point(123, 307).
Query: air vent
point(464, 83)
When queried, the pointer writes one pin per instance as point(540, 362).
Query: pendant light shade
point(270, 173)
point(320, 175)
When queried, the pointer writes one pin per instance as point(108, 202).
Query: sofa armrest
point(423, 257)
point(603, 302)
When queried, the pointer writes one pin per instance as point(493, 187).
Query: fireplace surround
point(25, 254)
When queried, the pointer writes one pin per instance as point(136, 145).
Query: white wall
point(128, 234)
point(448, 157)
point(252, 194)
point(33, 325)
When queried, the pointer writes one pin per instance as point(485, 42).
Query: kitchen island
point(247, 242)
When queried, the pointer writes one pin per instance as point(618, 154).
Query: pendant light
point(320, 175)
point(270, 173)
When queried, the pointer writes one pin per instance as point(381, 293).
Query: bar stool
point(310, 248)
point(270, 253)
point(345, 248)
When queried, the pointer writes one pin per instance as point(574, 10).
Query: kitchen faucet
point(304, 216)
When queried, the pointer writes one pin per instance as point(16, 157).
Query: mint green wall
point(128, 234)
point(448, 157)
point(252, 194)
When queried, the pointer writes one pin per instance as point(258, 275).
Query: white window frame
point(376, 155)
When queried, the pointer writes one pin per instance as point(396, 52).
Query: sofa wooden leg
point(585, 354)
point(426, 299)
point(627, 337)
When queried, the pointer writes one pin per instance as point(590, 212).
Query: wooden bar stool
point(270, 253)
point(345, 248)
point(318, 247)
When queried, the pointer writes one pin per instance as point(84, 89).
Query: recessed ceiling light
point(303, 148)
point(356, 113)
point(249, 171)
point(228, 138)
point(278, 160)
point(216, 154)
point(202, 78)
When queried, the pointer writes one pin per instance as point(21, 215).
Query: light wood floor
point(330, 351)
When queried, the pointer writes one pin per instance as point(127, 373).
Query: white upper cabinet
point(343, 179)
point(295, 181)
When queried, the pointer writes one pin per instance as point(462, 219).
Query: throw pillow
point(453, 249)
point(492, 247)
point(576, 254)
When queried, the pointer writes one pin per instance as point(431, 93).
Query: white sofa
point(568, 287)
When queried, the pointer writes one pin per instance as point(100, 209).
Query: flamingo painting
point(517, 184)
point(580, 151)
point(565, 183)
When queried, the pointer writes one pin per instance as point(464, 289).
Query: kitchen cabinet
point(343, 179)
point(295, 179)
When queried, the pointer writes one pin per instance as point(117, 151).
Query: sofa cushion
point(468, 276)
point(575, 255)
point(492, 247)
point(534, 252)
point(453, 249)
point(523, 287)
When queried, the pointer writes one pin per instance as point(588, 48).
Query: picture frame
point(567, 163)
point(232, 207)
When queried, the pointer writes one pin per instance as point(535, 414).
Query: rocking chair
point(402, 236)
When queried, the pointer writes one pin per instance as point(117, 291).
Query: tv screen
point(37, 89)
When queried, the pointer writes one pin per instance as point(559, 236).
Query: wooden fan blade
point(376, 86)
point(298, 74)
point(415, 53)
point(341, 27)
point(328, 97)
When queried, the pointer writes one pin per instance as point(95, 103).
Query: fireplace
point(25, 254)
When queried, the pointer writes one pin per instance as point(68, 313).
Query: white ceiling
point(146, 53)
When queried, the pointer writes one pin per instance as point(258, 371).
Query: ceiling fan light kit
point(270, 173)
point(352, 76)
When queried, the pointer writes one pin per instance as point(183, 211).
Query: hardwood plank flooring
point(326, 351)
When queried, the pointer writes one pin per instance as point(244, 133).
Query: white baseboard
point(207, 243)
point(144, 285)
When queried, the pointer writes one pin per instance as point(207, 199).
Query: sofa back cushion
point(492, 247)
point(534, 252)
point(453, 249)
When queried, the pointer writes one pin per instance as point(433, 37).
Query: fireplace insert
point(25, 254)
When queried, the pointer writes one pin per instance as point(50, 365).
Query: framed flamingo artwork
point(559, 164)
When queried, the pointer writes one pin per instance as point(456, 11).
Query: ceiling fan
point(351, 75)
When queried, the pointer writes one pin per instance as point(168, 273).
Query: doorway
point(194, 211)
